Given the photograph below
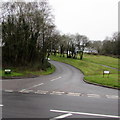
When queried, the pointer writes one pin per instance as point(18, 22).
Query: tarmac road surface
point(60, 95)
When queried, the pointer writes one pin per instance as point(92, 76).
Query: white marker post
point(106, 72)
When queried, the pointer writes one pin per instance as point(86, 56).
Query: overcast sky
point(94, 18)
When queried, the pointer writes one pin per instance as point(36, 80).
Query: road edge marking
point(82, 113)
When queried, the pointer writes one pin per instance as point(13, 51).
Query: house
point(90, 50)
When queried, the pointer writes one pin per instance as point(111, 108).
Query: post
point(106, 72)
point(7, 71)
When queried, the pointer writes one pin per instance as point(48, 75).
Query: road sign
point(106, 72)
point(7, 71)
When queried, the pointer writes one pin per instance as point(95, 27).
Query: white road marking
point(41, 92)
point(73, 94)
point(8, 90)
point(61, 116)
point(93, 95)
point(112, 96)
point(55, 79)
point(57, 93)
point(81, 113)
point(22, 90)
point(61, 93)
point(26, 91)
point(1, 105)
point(31, 87)
point(37, 85)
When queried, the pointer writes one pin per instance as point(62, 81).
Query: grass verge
point(93, 72)
point(27, 73)
point(104, 60)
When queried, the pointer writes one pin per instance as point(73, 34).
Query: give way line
point(81, 113)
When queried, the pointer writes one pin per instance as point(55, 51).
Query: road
point(62, 94)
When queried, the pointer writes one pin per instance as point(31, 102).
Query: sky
point(94, 18)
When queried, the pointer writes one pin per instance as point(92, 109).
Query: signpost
point(106, 72)
point(7, 71)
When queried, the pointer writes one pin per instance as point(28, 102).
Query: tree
point(96, 45)
point(27, 28)
point(111, 45)
point(82, 42)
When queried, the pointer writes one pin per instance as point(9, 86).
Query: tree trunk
point(81, 56)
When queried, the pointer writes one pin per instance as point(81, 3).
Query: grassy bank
point(100, 59)
point(16, 72)
point(111, 81)
point(93, 72)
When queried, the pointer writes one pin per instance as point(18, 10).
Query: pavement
point(60, 95)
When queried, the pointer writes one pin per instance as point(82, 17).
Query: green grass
point(104, 60)
point(12, 74)
point(111, 81)
point(48, 71)
point(93, 72)
point(25, 73)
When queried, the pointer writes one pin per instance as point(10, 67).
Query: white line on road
point(22, 90)
point(55, 79)
point(41, 92)
point(31, 87)
point(1, 105)
point(26, 91)
point(57, 92)
point(37, 85)
point(112, 96)
point(81, 113)
point(8, 90)
point(93, 95)
point(73, 94)
point(61, 116)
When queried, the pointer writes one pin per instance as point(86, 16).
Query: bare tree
point(82, 42)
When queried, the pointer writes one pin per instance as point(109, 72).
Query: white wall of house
point(90, 50)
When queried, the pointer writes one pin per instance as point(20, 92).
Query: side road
point(93, 73)
point(65, 78)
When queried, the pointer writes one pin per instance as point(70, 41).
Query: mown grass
point(48, 71)
point(12, 74)
point(25, 73)
point(93, 72)
point(111, 81)
point(100, 59)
